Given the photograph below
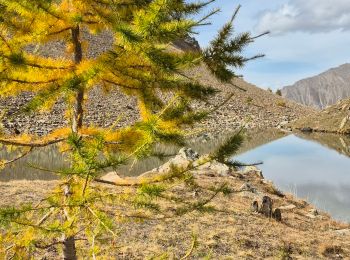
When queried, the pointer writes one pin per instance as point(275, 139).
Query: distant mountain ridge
point(322, 90)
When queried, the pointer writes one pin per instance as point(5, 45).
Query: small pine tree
point(278, 92)
point(140, 65)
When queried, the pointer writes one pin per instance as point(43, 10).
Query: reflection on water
point(309, 170)
point(51, 158)
point(312, 166)
point(339, 143)
point(203, 145)
point(47, 158)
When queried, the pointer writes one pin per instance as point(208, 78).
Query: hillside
point(233, 231)
point(252, 108)
point(322, 90)
point(334, 119)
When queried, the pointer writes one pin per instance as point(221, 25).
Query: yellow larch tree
point(140, 64)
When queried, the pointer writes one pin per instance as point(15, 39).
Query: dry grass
point(331, 251)
point(234, 232)
point(281, 103)
point(330, 120)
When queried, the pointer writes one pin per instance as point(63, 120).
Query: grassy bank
point(231, 232)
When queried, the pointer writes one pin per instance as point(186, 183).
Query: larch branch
point(19, 157)
point(33, 144)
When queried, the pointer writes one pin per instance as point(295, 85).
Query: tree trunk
point(69, 251)
point(77, 120)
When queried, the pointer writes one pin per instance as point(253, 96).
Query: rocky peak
point(322, 90)
point(187, 43)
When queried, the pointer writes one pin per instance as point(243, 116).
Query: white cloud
point(311, 16)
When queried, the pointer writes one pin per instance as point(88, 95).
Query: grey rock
point(255, 206)
point(312, 216)
point(314, 212)
point(277, 214)
point(343, 122)
point(342, 232)
point(283, 123)
point(306, 129)
point(322, 90)
point(187, 43)
point(214, 168)
point(189, 154)
point(288, 207)
point(253, 170)
point(247, 187)
point(195, 193)
point(266, 206)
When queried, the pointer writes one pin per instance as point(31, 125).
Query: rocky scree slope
point(322, 90)
point(334, 119)
point(252, 108)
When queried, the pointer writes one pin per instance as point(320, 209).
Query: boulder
point(288, 207)
point(342, 232)
point(111, 176)
point(283, 123)
point(306, 129)
point(266, 206)
point(211, 167)
point(214, 168)
point(344, 122)
point(253, 170)
point(255, 206)
point(314, 212)
point(309, 215)
point(188, 154)
point(247, 187)
point(182, 160)
point(277, 214)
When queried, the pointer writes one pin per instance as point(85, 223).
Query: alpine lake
point(312, 166)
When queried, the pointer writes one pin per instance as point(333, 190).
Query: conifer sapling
point(139, 64)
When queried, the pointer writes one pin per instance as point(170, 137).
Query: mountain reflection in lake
point(309, 170)
point(51, 158)
point(312, 166)
point(46, 158)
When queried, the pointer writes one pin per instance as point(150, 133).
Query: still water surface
point(309, 170)
point(315, 167)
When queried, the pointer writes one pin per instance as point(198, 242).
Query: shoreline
point(303, 233)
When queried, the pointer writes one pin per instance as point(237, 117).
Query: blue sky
point(307, 37)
